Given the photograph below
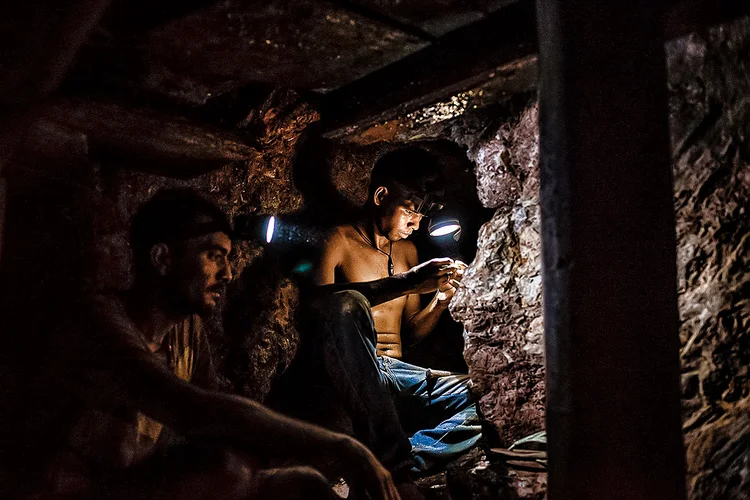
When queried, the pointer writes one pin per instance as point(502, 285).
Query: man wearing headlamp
point(370, 282)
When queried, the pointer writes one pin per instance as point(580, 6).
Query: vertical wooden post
point(609, 257)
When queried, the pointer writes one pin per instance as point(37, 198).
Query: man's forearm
point(422, 323)
point(244, 421)
point(147, 385)
point(376, 292)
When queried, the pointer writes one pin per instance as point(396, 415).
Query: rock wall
point(500, 306)
point(709, 81)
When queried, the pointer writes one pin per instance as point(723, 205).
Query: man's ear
point(160, 258)
point(380, 195)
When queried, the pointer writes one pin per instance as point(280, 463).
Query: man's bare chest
point(367, 264)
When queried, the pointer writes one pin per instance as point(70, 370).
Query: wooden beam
point(455, 62)
point(469, 57)
point(609, 254)
point(145, 139)
point(40, 41)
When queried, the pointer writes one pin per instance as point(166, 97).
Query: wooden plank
point(608, 253)
point(455, 62)
point(469, 57)
point(144, 138)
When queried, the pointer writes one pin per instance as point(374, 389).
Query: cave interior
point(597, 157)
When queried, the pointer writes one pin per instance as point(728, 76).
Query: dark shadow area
point(325, 206)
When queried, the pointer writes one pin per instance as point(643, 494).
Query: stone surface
point(718, 456)
point(710, 121)
point(299, 44)
point(500, 305)
point(437, 17)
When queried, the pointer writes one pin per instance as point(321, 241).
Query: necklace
point(391, 270)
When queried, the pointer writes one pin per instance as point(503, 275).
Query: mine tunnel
point(593, 174)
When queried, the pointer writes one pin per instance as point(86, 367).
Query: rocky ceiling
point(374, 69)
point(194, 50)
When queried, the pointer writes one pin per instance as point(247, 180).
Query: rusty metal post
point(609, 257)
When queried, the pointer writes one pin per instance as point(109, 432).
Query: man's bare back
point(361, 262)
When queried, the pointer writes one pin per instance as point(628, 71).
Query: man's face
point(198, 273)
point(399, 219)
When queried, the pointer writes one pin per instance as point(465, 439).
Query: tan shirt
point(104, 428)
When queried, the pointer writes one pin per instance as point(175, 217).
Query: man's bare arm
point(421, 323)
point(376, 292)
point(137, 379)
point(199, 413)
point(420, 279)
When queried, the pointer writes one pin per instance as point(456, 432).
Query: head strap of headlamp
point(426, 204)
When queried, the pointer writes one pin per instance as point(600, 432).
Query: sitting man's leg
point(340, 341)
point(446, 423)
point(209, 472)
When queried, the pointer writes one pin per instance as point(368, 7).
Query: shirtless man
point(128, 373)
point(369, 282)
point(370, 250)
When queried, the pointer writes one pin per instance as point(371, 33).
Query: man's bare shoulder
point(340, 234)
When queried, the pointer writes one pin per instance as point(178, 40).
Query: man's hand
point(432, 275)
point(360, 467)
point(447, 290)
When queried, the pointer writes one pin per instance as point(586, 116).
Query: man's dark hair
point(411, 169)
point(172, 216)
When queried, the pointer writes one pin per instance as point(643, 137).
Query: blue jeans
point(341, 383)
point(437, 412)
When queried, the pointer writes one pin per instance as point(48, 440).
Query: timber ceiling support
point(468, 57)
point(455, 62)
point(609, 254)
point(147, 139)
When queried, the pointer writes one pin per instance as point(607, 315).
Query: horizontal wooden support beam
point(469, 57)
point(458, 61)
point(144, 139)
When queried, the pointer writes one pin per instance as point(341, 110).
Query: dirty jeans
point(349, 388)
point(436, 411)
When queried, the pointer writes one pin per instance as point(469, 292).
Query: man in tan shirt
point(125, 377)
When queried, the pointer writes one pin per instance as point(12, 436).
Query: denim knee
point(339, 304)
point(348, 302)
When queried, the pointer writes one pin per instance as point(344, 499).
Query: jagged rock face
point(500, 305)
point(709, 81)
point(501, 308)
point(507, 162)
point(724, 445)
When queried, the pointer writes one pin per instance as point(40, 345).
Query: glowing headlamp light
point(444, 227)
point(270, 228)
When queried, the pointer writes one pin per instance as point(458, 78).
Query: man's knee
point(230, 473)
point(344, 302)
point(292, 483)
point(341, 312)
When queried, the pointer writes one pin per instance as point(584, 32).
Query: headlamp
point(426, 204)
point(444, 227)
